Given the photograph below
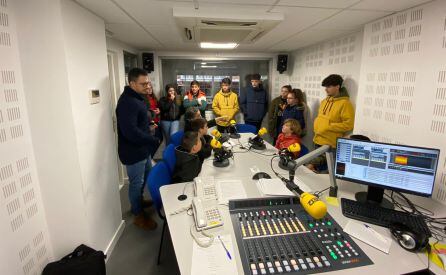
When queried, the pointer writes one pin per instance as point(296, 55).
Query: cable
point(181, 210)
point(318, 193)
point(197, 239)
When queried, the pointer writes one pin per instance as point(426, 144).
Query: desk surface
point(398, 261)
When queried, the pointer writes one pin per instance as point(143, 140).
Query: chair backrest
point(176, 138)
point(169, 157)
point(158, 176)
point(303, 150)
point(246, 128)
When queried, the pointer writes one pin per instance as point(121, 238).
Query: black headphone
point(409, 239)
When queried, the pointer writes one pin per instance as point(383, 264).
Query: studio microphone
point(233, 129)
point(312, 205)
point(219, 136)
point(287, 156)
point(221, 155)
point(257, 142)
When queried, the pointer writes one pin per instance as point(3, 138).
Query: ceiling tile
point(307, 38)
point(338, 4)
point(243, 2)
point(296, 20)
point(132, 34)
point(385, 5)
point(105, 9)
point(351, 19)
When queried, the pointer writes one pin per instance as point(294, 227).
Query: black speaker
point(147, 62)
point(282, 62)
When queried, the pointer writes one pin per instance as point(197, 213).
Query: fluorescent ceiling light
point(203, 63)
point(209, 45)
point(208, 66)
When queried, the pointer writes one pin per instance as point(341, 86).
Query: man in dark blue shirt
point(254, 102)
point(135, 141)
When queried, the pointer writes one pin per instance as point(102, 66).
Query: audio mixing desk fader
point(276, 236)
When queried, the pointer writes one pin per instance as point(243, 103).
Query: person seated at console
point(189, 161)
point(290, 135)
point(194, 113)
point(200, 126)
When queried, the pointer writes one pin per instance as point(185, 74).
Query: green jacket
point(273, 112)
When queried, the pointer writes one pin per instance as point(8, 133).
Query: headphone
point(408, 238)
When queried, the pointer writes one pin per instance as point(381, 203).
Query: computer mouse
point(261, 175)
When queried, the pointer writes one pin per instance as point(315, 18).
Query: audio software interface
point(276, 235)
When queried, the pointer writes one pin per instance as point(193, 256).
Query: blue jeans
point(137, 180)
point(169, 127)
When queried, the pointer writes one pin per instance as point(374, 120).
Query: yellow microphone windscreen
point(215, 144)
point(294, 148)
point(262, 131)
point(313, 206)
point(232, 122)
point(216, 133)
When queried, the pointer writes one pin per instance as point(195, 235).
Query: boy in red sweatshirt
point(290, 134)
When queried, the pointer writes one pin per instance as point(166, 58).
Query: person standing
point(170, 106)
point(254, 102)
point(275, 112)
point(335, 118)
point(135, 141)
point(195, 98)
point(295, 108)
point(154, 116)
point(225, 104)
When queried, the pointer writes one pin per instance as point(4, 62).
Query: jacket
point(206, 148)
point(134, 139)
point(170, 110)
point(254, 103)
point(190, 100)
point(274, 113)
point(284, 141)
point(296, 112)
point(335, 118)
point(187, 167)
point(225, 104)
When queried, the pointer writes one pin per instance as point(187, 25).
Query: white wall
point(63, 55)
point(307, 68)
point(85, 50)
point(25, 243)
point(402, 91)
point(119, 47)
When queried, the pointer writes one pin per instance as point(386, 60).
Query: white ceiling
point(149, 24)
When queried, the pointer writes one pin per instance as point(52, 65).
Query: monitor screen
point(396, 167)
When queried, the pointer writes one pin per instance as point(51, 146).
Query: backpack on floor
point(83, 260)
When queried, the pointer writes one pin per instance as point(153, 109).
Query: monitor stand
point(374, 195)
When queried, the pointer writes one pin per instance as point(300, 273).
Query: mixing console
point(277, 236)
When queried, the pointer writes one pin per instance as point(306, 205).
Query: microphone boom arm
point(325, 149)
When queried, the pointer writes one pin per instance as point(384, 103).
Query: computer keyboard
point(375, 214)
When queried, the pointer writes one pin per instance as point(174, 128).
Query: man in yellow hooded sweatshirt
point(225, 103)
point(335, 118)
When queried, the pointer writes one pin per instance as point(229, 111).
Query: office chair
point(169, 157)
point(246, 128)
point(176, 138)
point(159, 176)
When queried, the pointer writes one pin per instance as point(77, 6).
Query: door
point(112, 59)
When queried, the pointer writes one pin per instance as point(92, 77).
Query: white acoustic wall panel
point(310, 65)
point(402, 90)
point(25, 245)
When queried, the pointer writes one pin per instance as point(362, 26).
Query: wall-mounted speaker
point(147, 62)
point(282, 62)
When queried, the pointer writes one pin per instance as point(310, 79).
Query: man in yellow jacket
point(335, 118)
point(225, 103)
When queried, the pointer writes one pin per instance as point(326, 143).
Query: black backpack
point(83, 260)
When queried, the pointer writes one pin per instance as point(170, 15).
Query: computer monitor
point(382, 166)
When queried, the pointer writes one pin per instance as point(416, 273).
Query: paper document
point(276, 187)
point(229, 190)
point(368, 235)
point(213, 260)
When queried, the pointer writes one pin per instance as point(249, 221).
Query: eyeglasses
point(145, 84)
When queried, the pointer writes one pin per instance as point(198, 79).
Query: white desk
point(398, 261)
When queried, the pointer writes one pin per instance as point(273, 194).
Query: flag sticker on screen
point(403, 168)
